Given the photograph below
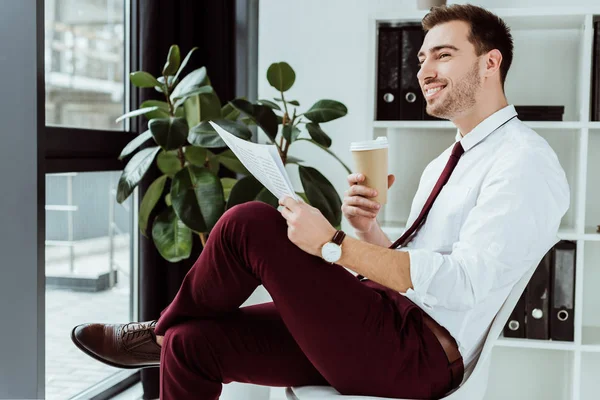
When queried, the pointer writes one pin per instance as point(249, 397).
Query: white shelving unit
point(551, 66)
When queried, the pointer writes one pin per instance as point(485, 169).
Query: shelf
point(593, 125)
point(591, 234)
point(449, 125)
point(552, 18)
point(534, 344)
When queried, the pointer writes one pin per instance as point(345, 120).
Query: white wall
point(326, 43)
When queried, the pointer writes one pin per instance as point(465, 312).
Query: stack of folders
point(546, 309)
point(399, 96)
point(595, 106)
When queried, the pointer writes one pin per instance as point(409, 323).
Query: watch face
point(331, 252)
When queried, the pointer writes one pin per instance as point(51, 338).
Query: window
point(84, 63)
point(90, 238)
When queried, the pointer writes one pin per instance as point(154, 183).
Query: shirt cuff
point(421, 266)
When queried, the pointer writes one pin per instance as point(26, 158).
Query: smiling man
point(486, 211)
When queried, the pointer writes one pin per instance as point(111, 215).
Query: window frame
point(72, 149)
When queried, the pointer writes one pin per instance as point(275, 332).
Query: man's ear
point(492, 62)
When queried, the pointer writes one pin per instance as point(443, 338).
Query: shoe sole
point(98, 358)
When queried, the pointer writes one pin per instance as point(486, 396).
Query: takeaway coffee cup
point(371, 160)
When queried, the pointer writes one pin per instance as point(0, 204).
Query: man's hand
point(307, 227)
point(357, 207)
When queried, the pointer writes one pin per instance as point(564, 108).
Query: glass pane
point(84, 63)
point(88, 272)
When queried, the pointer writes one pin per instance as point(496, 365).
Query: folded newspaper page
point(262, 161)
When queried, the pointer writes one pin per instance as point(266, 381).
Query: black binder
point(563, 291)
point(389, 58)
point(399, 95)
point(538, 300)
point(515, 326)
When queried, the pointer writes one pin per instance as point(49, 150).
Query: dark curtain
point(210, 26)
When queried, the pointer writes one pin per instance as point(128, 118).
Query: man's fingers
point(360, 190)
point(361, 202)
point(355, 178)
point(357, 212)
point(287, 214)
point(288, 202)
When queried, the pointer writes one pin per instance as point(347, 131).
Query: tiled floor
point(68, 370)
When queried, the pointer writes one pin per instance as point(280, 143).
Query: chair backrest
point(475, 382)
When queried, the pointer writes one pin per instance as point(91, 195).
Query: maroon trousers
point(324, 327)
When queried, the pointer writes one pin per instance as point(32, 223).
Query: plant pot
point(427, 4)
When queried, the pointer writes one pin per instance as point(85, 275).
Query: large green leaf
point(228, 184)
point(169, 133)
point(170, 82)
point(246, 189)
point(270, 104)
point(290, 133)
point(150, 199)
point(201, 90)
point(230, 113)
point(162, 112)
point(326, 110)
point(135, 113)
point(267, 197)
point(318, 135)
point(172, 238)
point(134, 144)
point(143, 79)
point(213, 162)
point(281, 76)
point(195, 155)
point(230, 160)
point(168, 162)
point(197, 196)
point(204, 134)
point(202, 107)
point(185, 61)
point(321, 194)
point(263, 116)
point(173, 61)
point(191, 81)
point(134, 172)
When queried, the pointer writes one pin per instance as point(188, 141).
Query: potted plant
point(186, 150)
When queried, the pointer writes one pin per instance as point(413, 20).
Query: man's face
point(450, 75)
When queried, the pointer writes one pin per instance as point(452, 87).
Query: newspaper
point(262, 161)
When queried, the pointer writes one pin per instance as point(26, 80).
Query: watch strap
point(338, 237)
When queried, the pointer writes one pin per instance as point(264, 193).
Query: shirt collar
point(485, 127)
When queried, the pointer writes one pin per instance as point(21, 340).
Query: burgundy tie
point(457, 151)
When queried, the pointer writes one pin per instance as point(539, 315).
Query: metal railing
point(69, 208)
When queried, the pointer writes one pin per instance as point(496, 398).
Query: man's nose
point(426, 72)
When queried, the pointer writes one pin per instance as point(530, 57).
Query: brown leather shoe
point(131, 345)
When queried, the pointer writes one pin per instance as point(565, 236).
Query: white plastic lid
point(380, 143)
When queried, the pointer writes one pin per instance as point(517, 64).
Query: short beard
point(462, 98)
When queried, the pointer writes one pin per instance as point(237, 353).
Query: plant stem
point(181, 156)
point(202, 239)
point(284, 104)
point(328, 151)
point(166, 90)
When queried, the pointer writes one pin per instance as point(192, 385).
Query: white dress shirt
point(496, 217)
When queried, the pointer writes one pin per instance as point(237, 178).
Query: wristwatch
point(332, 251)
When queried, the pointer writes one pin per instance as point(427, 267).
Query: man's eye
point(420, 63)
point(444, 55)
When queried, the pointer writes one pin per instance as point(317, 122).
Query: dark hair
point(488, 31)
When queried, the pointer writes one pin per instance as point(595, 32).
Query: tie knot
point(458, 150)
